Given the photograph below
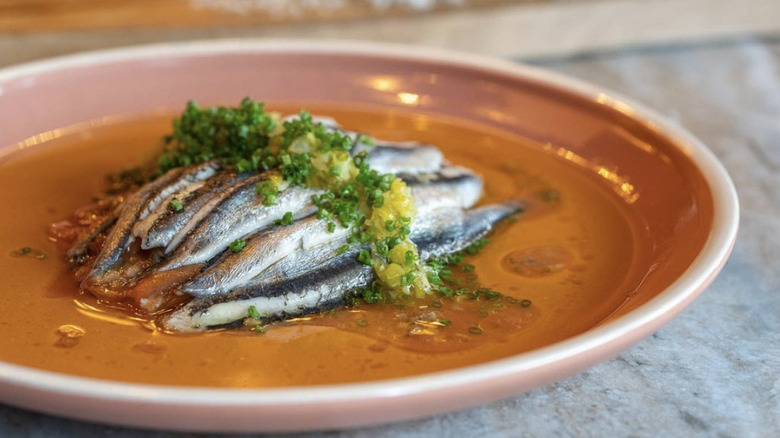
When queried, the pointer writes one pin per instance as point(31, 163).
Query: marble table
point(715, 369)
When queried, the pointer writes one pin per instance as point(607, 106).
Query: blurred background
point(31, 29)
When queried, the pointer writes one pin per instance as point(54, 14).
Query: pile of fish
point(162, 259)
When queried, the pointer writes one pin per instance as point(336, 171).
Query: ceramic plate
point(699, 226)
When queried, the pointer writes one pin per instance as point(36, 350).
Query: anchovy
point(454, 187)
point(260, 252)
point(293, 291)
point(77, 254)
point(387, 156)
point(142, 227)
point(187, 176)
point(448, 186)
point(234, 217)
point(136, 208)
point(167, 224)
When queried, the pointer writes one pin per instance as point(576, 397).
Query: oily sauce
point(561, 268)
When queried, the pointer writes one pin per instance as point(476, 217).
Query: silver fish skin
point(387, 156)
point(298, 286)
point(455, 187)
point(405, 158)
point(392, 157)
point(234, 217)
point(261, 251)
point(188, 175)
point(136, 207)
point(196, 204)
point(447, 186)
point(142, 227)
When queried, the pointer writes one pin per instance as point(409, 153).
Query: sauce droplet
point(538, 261)
point(69, 335)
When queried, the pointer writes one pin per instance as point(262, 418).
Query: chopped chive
point(408, 278)
point(268, 191)
point(287, 219)
point(365, 258)
point(253, 313)
point(175, 205)
point(493, 295)
point(445, 322)
point(237, 245)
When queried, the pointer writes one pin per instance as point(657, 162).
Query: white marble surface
point(714, 370)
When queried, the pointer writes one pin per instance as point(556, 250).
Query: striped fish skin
point(262, 250)
point(136, 208)
point(167, 224)
point(447, 186)
point(289, 294)
point(452, 187)
point(188, 175)
point(234, 217)
point(141, 228)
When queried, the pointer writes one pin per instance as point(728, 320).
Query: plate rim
point(641, 321)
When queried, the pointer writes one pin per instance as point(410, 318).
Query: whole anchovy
point(294, 292)
point(137, 207)
point(195, 205)
point(457, 187)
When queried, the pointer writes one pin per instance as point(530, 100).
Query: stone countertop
point(715, 369)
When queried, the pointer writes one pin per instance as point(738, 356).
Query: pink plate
point(544, 107)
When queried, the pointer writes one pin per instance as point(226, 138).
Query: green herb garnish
point(237, 135)
point(237, 245)
point(175, 205)
point(268, 191)
point(287, 219)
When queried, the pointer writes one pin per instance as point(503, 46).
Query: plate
point(579, 122)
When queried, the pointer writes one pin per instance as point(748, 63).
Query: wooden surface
point(34, 29)
point(32, 16)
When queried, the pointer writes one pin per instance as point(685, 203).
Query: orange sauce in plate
point(570, 257)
